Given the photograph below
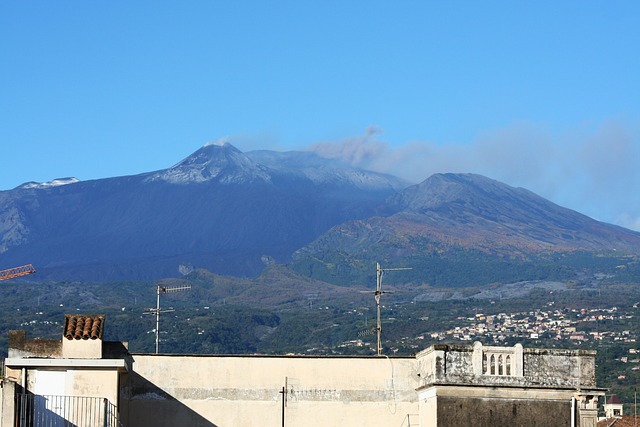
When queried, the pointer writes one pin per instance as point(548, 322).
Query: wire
point(394, 408)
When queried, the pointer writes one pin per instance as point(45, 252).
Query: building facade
point(613, 407)
point(441, 386)
point(506, 386)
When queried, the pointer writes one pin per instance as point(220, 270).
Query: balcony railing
point(65, 411)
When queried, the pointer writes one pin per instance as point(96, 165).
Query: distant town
point(576, 326)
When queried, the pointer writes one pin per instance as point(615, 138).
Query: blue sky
point(543, 95)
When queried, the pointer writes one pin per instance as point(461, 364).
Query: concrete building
point(73, 379)
point(506, 386)
point(613, 407)
point(441, 386)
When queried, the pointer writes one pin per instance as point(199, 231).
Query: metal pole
point(379, 273)
point(283, 392)
point(157, 318)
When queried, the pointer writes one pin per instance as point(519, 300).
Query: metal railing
point(65, 411)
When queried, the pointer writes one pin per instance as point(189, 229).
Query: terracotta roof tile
point(83, 326)
point(613, 399)
point(619, 422)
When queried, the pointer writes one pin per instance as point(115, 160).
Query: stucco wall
point(75, 382)
point(491, 412)
point(81, 349)
point(20, 346)
point(444, 385)
point(455, 364)
point(560, 368)
point(246, 391)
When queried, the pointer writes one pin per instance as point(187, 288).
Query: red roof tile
point(83, 326)
point(619, 422)
point(613, 399)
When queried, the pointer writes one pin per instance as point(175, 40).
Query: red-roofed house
point(613, 407)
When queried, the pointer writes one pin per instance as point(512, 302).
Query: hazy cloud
point(358, 150)
point(593, 171)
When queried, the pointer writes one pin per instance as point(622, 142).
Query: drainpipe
point(573, 411)
point(23, 409)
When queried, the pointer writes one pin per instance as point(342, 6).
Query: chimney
point(82, 336)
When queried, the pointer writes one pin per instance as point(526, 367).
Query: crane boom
point(17, 272)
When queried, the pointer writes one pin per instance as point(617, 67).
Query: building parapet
point(20, 346)
point(506, 366)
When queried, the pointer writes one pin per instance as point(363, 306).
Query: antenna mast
point(163, 290)
point(379, 273)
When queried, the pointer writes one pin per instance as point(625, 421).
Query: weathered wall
point(488, 412)
point(505, 386)
point(7, 403)
point(76, 382)
point(444, 385)
point(246, 391)
point(20, 346)
point(560, 368)
point(7, 407)
point(456, 364)
point(96, 383)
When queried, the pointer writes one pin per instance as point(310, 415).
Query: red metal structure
point(17, 272)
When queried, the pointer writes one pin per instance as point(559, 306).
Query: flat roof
point(279, 356)
point(32, 362)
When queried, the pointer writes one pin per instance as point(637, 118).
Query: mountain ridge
point(235, 213)
point(453, 223)
point(216, 209)
point(513, 211)
point(213, 162)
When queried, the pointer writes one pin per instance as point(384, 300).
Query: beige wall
point(453, 406)
point(71, 382)
point(81, 349)
point(245, 391)
point(93, 383)
point(442, 386)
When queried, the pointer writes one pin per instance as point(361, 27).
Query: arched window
point(500, 367)
point(508, 365)
point(484, 363)
point(493, 364)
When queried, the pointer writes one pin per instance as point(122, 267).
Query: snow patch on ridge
point(49, 184)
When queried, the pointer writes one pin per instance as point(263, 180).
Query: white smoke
point(356, 151)
point(593, 171)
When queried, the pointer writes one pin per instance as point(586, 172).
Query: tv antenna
point(378, 293)
point(159, 291)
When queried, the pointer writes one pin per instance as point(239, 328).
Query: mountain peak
point(474, 192)
point(222, 142)
point(481, 211)
point(215, 161)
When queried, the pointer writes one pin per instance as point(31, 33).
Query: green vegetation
point(281, 312)
point(457, 267)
